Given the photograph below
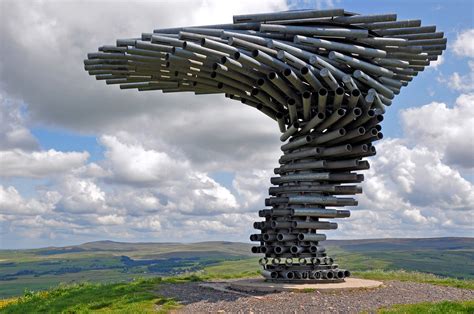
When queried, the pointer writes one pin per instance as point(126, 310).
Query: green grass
point(16, 287)
point(231, 269)
point(446, 307)
point(402, 275)
point(133, 297)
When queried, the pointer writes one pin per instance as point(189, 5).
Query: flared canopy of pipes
point(270, 60)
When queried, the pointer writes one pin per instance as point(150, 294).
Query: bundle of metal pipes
point(325, 77)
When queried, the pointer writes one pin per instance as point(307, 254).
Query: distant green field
point(108, 262)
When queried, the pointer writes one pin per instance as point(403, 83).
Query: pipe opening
point(306, 95)
point(254, 53)
point(260, 81)
point(355, 93)
point(339, 91)
point(300, 236)
point(341, 111)
point(321, 115)
point(272, 75)
point(340, 274)
point(347, 273)
point(291, 102)
point(304, 70)
point(287, 72)
point(322, 92)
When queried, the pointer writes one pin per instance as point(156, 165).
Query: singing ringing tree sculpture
point(326, 78)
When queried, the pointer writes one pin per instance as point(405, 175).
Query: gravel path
point(198, 299)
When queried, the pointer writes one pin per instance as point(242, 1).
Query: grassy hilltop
point(108, 276)
point(140, 296)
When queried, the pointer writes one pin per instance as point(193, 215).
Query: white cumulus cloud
point(447, 130)
point(464, 43)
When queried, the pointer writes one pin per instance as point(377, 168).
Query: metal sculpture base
point(266, 286)
point(306, 281)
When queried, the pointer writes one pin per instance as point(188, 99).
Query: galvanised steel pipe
point(320, 188)
point(359, 64)
point(283, 64)
point(312, 80)
point(315, 31)
point(289, 15)
point(337, 46)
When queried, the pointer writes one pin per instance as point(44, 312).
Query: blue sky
point(84, 161)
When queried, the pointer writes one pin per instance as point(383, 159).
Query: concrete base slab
point(260, 285)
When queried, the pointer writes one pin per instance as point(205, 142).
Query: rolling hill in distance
point(108, 261)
